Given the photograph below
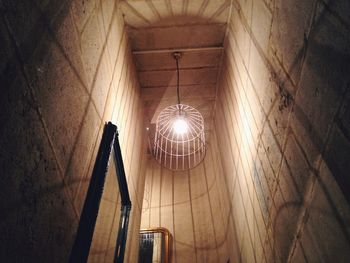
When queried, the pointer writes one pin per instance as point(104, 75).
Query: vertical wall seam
point(173, 213)
point(211, 211)
point(192, 217)
point(160, 195)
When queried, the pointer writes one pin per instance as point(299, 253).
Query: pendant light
point(179, 139)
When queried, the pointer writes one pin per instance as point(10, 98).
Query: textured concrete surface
point(281, 129)
point(283, 138)
point(274, 184)
point(66, 69)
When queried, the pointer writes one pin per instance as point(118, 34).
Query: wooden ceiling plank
point(187, 77)
point(175, 37)
point(165, 60)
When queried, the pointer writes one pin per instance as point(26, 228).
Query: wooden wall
point(194, 206)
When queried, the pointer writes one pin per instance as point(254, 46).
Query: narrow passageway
point(271, 80)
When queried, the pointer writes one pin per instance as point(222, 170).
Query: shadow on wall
point(326, 64)
point(37, 217)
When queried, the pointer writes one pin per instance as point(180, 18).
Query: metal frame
point(179, 151)
point(167, 240)
point(81, 247)
point(125, 204)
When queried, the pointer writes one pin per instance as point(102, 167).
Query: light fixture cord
point(178, 80)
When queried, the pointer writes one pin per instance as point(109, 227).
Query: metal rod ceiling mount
point(177, 56)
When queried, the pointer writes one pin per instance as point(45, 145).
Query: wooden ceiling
point(195, 28)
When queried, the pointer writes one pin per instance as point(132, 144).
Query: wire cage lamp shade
point(179, 140)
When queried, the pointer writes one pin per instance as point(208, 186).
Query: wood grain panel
point(197, 58)
point(194, 205)
point(187, 77)
point(187, 92)
point(145, 13)
point(189, 36)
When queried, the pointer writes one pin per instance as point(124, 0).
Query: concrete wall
point(65, 70)
point(282, 120)
point(194, 206)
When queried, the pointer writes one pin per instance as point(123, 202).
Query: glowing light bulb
point(180, 126)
